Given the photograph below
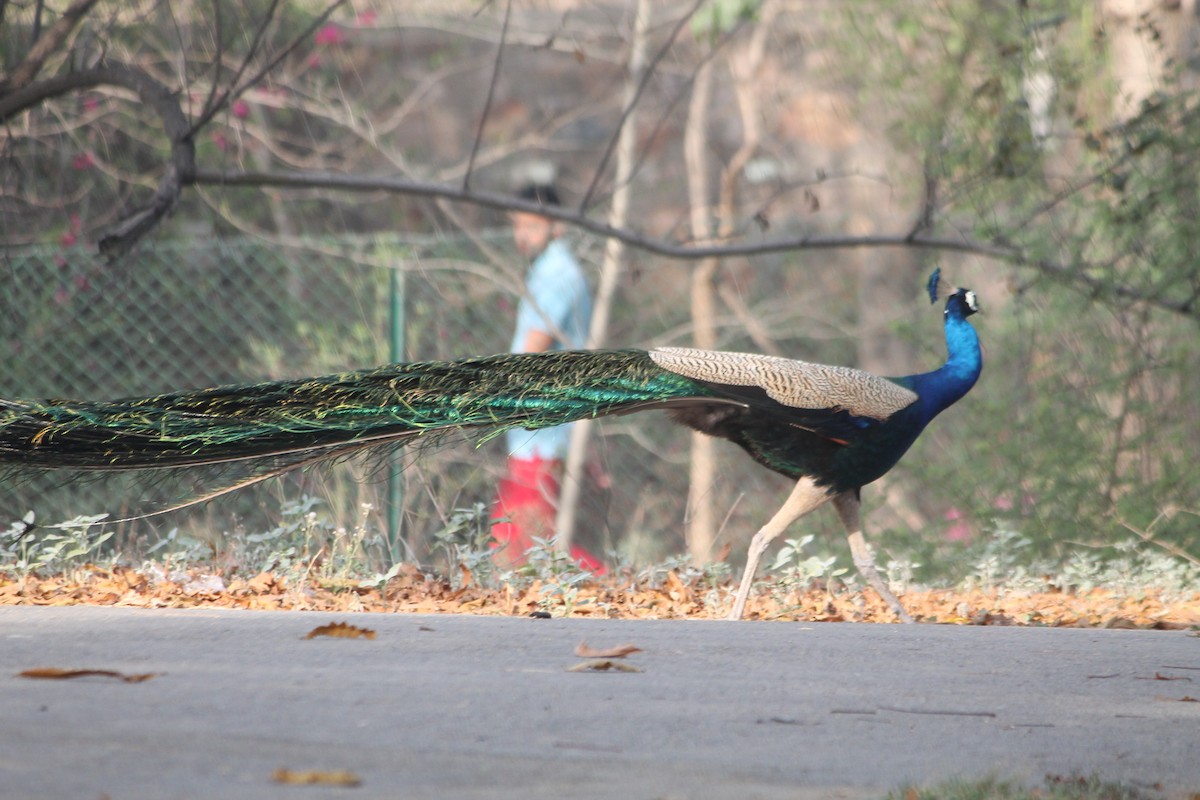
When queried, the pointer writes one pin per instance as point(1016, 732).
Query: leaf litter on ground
point(618, 596)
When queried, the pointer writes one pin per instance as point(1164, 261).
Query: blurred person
point(554, 314)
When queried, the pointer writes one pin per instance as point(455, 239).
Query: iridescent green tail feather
point(314, 417)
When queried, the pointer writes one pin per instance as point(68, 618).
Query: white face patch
point(971, 302)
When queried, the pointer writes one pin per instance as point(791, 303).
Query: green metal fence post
point(396, 353)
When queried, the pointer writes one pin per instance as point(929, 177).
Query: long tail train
point(327, 416)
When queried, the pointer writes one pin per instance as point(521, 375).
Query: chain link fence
point(187, 314)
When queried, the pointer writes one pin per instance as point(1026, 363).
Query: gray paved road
point(470, 707)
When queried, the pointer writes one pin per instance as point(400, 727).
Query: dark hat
point(541, 193)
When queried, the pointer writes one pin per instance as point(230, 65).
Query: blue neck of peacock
point(944, 386)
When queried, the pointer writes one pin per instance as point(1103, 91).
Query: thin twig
point(647, 74)
point(236, 91)
point(684, 90)
point(491, 93)
point(937, 712)
point(210, 107)
point(1148, 537)
point(216, 76)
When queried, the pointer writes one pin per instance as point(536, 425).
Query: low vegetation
point(308, 563)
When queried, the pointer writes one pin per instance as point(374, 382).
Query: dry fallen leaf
point(620, 651)
point(602, 665)
point(341, 630)
point(312, 777)
point(54, 673)
point(265, 582)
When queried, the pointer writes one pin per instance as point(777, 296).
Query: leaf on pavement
point(54, 673)
point(620, 651)
point(341, 630)
point(315, 777)
point(602, 665)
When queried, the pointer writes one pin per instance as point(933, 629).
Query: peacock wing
point(828, 394)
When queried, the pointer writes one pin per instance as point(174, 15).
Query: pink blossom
point(219, 140)
point(314, 61)
point(1004, 502)
point(367, 18)
point(330, 34)
point(74, 226)
point(62, 296)
point(240, 109)
point(91, 103)
point(83, 161)
point(959, 531)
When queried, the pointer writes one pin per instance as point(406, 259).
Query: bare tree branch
point(685, 251)
point(618, 215)
point(180, 165)
point(505, 202)
point(28, 69)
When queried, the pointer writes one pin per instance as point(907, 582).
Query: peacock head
point(962, 303)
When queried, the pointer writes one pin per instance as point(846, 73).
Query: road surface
point(485, 707)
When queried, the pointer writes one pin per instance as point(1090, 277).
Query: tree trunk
point(701, 516)
point(577, 451)
point(1145, 38)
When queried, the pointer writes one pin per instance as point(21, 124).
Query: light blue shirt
point(560, 304)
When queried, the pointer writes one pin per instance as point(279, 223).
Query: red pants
point(526, 507)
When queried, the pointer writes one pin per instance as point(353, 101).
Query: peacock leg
point(804, 498)
point(848, 507)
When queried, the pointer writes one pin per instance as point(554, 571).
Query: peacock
point(831, 429)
